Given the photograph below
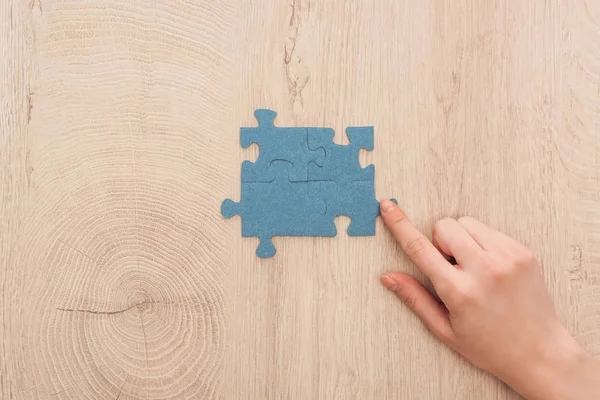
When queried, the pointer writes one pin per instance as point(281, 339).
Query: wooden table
point(119, 138)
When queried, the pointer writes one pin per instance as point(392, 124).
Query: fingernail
point(386, 205)
point(389, 282)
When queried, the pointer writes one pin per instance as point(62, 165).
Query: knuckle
point(521, 260)
point(526, 260)
point(498, 270)
point(415, 246)
point(499, 275)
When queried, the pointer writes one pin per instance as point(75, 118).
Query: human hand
point(495, 309)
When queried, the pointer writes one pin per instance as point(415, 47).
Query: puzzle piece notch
point(341, 161)
point(277, 144)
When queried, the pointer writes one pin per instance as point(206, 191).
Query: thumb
point(433, 314)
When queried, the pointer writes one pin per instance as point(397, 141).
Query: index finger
point(415, 245)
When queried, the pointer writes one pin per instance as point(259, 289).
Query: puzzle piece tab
point(276, 144)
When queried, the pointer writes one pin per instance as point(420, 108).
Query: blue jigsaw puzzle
point(302, 181)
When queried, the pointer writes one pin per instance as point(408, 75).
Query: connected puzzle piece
point(341, 161)
point(276, 144)
point(277, 208)
point(355, 200)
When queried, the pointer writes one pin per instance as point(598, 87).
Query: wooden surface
point(119, 138)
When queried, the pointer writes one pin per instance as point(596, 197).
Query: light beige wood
point(119, 139)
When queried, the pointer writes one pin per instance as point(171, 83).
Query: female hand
point(495, 309)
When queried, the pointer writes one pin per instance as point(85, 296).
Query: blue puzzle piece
point(355, 200)
point(341, 162)
point(276, 144)
point(277, 208)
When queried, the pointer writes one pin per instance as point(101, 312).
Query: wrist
point(562, 379)
point(555, 370)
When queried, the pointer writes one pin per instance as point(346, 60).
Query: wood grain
point(119, 130)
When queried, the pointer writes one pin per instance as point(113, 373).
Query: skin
point(495, 310)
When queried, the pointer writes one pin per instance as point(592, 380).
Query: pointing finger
point(416, 246)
